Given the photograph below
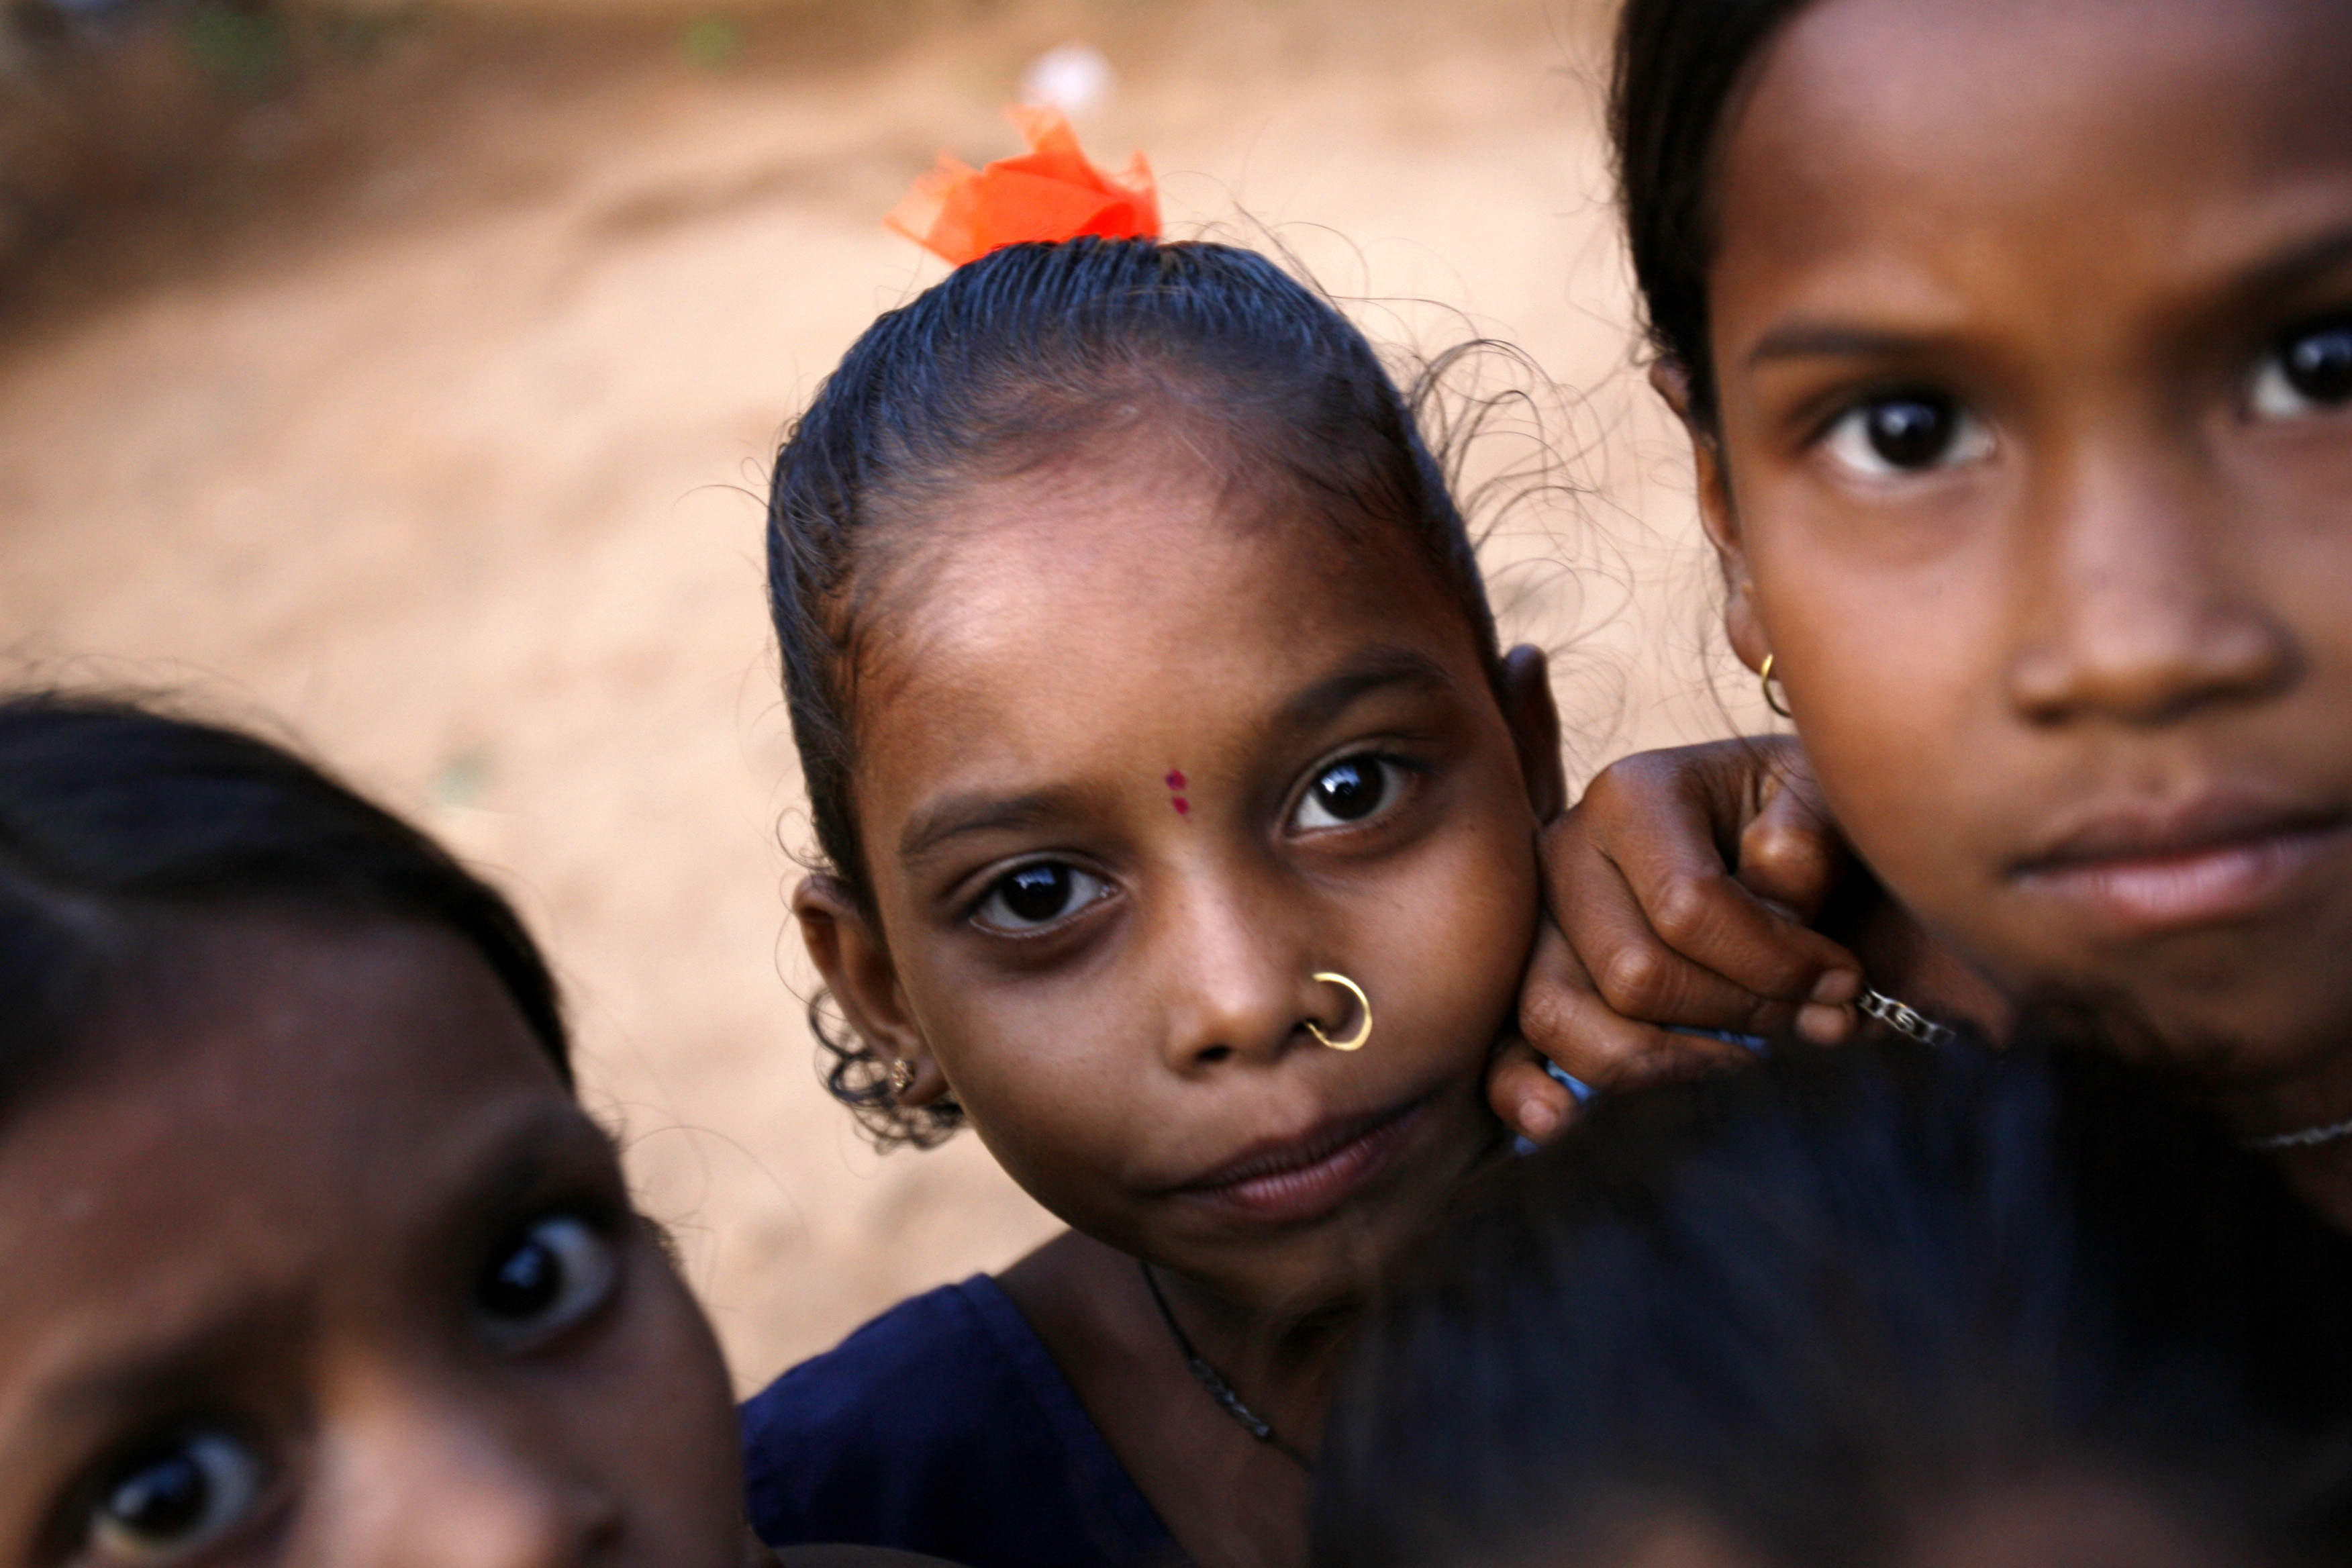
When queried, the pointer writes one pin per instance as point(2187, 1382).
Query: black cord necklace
point(1210, 1378)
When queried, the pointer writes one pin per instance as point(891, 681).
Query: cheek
point(1052, 1105)
point(1893, 667)
point(1444, 949)
point(645, 1385)
point(1019, 1050)
point(2306, 579)
point(660, 1422)
point(1042, 1110)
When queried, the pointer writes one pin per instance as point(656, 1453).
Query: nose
point(2138, 607)
point(421, 1484)
point(1237, 974)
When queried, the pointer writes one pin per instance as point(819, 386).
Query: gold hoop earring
point(1363, 1031)
point(1764, 679)
point(902, 1079)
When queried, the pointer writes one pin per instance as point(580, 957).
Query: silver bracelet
point(1902, 1017)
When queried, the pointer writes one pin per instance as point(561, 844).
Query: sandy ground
point(448, 463)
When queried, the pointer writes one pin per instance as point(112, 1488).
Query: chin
point(1348, 1254)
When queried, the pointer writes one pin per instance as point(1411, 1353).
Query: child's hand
point(1681, 885)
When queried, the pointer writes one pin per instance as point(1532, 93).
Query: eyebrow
point(555, 1140)
point(2298, 265)
point(1826, 340)
point(970, 812)
point(1376, 670)
point(2256, 285)
point(188, 1353)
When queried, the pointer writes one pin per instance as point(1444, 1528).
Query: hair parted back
point(1680, 64)
point(1803, 1305)
point(120, 826)
point(1018, 358)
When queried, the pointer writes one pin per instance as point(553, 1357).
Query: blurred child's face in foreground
point(1136, 760)
point(2032, 325)
point(313, 1259)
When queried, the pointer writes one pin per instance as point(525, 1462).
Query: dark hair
point(1803, 1304)
point(1014, 360)
point(1679, 65)
point(119, 821)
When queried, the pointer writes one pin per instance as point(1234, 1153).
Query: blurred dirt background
point(403, 380)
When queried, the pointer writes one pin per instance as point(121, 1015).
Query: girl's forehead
point(1914, 97)
point(277, 1063)
point(1057, 604)
point(1137, 567)
point(1857, 51)
point(229, 1148)
point(2076, 174)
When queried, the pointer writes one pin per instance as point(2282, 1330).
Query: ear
point(848, 950)
point(1534, 718)
point(1718, 515)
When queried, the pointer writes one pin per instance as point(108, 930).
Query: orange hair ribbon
point(961, 213)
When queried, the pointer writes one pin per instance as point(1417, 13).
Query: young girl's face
point(2032, 326)
point(1136, 763)
point(313, 1259)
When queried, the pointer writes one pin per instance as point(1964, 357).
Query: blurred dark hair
point(1017, 359)
point(1801, 1305)
point(1679, 65)
point(118, 823)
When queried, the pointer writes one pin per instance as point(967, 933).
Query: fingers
point(1526, 1099)
point(1657, 934)
point(1564, 1019)
point(1636, 873)
point(1792, 855)
point(1646, 976)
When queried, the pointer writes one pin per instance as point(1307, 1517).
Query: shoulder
point(886, 1378)
point(944, 1426)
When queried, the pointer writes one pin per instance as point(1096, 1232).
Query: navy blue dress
point(944, 1426)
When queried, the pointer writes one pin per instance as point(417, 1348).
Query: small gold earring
point(902, 1079)
point(1764, 679)
point(1363, 1031)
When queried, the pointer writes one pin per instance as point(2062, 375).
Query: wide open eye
point(2309, 372)
point(1036, 895)
point(1906, 433)
point(1347, 791)
point(548, 1278)
point(174, 1499)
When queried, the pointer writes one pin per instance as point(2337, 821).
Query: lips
point(1303, 1177)
point(2210, 861)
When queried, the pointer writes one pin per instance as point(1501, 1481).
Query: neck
point(2318, 1098)
point(1282, 1363)
point(2271, 1089)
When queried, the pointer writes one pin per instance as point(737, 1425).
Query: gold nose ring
point(1363, 1031)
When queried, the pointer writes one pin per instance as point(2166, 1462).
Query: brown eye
point(1349, 790)
point(1910, 432)
point(1036, 895)
point(2310, 372)
point(1906, 433)
point(174, 1499)
point(545, 1280)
